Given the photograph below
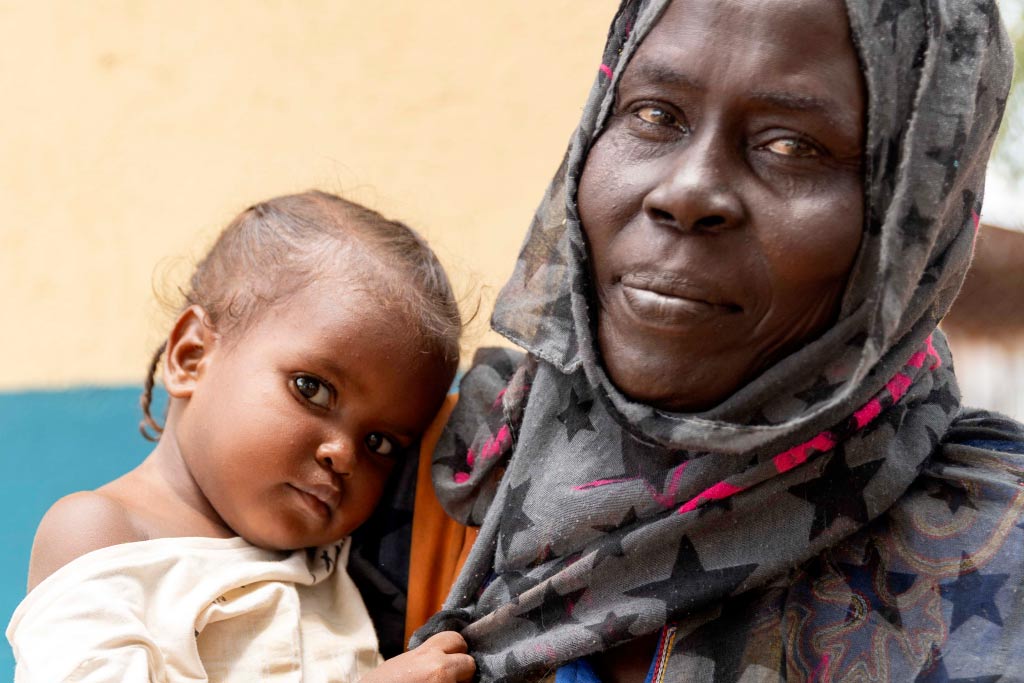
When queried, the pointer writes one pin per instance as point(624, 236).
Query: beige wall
point(133, 130)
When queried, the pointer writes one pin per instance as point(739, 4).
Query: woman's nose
point(338, 455)
point(696, 190)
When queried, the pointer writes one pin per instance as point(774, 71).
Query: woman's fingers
point(462, 667)
point(446, 641)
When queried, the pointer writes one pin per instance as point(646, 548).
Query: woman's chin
point(658, 375)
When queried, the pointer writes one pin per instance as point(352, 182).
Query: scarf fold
point(603, 519)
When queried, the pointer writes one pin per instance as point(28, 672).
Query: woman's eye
point(792, 147)
point(313, 390)
point(658, 116)
point(380, 444)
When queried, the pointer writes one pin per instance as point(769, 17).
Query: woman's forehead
point(758, 49)
point(770, 34)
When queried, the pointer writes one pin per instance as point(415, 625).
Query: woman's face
point(723, 201)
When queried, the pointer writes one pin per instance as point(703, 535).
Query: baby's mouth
point(329, 496)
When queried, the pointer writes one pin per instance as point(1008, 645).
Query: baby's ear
point(191, 341)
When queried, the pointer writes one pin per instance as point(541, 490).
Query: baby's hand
point(440, 659)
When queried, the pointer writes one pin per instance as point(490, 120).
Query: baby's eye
point(658, 116)
point(792, 147)
point(313, 390)
point(380, 444)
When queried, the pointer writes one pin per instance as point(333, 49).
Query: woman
point(734, 450)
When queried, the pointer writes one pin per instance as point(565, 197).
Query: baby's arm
point(440, 659)
point(75, 525)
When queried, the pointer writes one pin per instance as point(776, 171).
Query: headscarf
point(604, 519)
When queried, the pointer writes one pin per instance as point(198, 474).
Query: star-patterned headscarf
point(823, 520)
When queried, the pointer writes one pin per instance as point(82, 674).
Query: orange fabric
point(440, 545)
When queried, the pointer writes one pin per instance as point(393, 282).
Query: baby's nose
point(337, 455)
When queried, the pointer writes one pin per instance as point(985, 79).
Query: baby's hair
point(275, 248)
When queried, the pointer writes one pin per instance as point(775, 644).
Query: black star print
point(610, 547)
point(931, 276)
point(554, 608)
point(968, 200)
point(989, 10)
point(640, 460)
point(614, 629)
point(890, 14)
point(973, 594)
point(518, 583)
point(555, 313)
point(691, 585)
point(541, 250)
point(838, 492)
point(948, 157)
point(877, 586)
point(954, 496)
point(455, 459)
point(627, 520)
point(886, 157)
point(576, 416)
point(961, 41)
point(1000, 106)
point(820, 390)
point(894, 416)
point(514, 518)
point(722, 504)
point(943, 397)
point(916, 226)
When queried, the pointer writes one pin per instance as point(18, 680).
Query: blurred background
point(134, 130)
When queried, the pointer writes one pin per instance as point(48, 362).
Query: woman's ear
point(188, 348)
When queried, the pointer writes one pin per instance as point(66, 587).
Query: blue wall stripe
point(53, 443)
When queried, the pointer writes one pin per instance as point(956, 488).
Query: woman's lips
point(661, 299)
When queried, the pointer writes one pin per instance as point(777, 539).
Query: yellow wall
point(134, 129)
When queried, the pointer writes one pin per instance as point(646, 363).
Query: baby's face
point(296, 422)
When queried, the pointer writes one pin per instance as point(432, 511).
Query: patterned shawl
point(604, 519)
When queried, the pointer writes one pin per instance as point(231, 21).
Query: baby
point(317, 341)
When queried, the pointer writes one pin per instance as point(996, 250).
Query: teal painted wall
point(53, 443)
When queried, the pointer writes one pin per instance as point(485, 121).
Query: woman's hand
point(440, 659)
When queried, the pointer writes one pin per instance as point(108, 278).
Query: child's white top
point(195, 609)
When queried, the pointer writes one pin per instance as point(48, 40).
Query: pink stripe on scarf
point(898, 386)
point(787, 460)
point(606, 70)
point(599, 483)
point(494, 446)
point(869, 412)
point(930, 348)
point(722, 489)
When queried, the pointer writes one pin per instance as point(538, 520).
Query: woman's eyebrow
point(828, 109)
point(662, 74)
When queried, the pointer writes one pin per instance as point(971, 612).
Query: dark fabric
point(379, 558)
point(760, 527)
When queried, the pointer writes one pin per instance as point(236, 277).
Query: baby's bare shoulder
point(75, 525)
